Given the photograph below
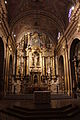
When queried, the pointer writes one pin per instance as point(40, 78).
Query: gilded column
point(29, 38)
point(53, 66)
point(65, 71)
point(51, 62)
point(27, 60)
point(43, 65)
point(56, 65)
point(70, 77)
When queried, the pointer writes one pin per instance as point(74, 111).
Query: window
point(70, 12)
point(59, 34)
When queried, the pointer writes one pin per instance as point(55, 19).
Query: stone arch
point(1, 67)
point(75, 63)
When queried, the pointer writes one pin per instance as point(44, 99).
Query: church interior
point(39, 59)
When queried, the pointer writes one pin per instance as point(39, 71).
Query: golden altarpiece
point(35, 63)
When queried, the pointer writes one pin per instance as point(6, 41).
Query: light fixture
point(72, 8)
point(59, 35)
point(14, 35)
point(5, 1)
point(63, 48)
point(70, 12)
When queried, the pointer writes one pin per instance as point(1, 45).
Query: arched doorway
point(61, 73)
point(10, 75)
point(1, 67)
point(75, 64)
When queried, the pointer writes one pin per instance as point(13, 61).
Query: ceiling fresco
point(47, 16)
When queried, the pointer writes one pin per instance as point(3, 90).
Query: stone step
point(31, 117)
point(39, 108)
point(54, 96)
point(19, 112)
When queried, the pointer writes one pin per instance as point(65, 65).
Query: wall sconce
point(14, 35)
point(63, 48)
point(5, 1)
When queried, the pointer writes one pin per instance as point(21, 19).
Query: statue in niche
point(35, 59)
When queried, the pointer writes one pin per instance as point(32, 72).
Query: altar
point(42, 97)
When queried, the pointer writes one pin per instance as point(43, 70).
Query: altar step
point(19, 97)
point(23, 113)
point(54, 96)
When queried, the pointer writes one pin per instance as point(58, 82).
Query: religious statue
point(35, 59)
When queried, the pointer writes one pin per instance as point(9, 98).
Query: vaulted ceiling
point(48, 16)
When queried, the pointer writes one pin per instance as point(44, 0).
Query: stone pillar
point(6, 68)
point(53, 65)
point(70, 77)
point(56, 61)
point(65, 72)
point(15, 63)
